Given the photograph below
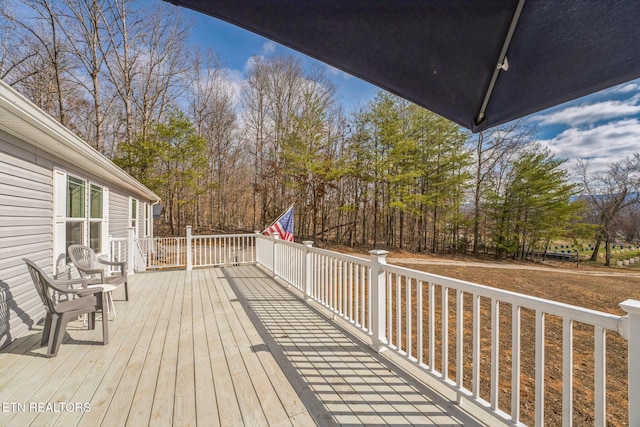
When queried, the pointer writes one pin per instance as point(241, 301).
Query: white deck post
point(256, 255)
point(131, 242)
point(275, 256)
point(111, 256)
point(632, 307)
point(308, 269)
point(378, 300)
point(189, 249)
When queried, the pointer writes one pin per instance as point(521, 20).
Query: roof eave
point(47, 134)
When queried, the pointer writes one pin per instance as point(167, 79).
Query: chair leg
point(126, 291)
point(55, 323)
point(91, 320)
point(47, 329)
point(105, 320)
point(61, 328)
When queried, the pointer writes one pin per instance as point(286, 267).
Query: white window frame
point(60, 205)
point(83, 219)
point(147, 219)
point(90, 220)
point(133, 220)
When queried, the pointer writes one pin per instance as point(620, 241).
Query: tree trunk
point(594, 255)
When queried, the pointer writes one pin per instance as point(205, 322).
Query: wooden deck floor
point(227, 347)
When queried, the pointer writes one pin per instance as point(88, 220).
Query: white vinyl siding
point(25, 231)
point(32, 225)
point(118, 214)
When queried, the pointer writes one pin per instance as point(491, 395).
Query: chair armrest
point(90, 270)
point(90, 291)
point(121, 264)
point(105, 262)
point(65, 286)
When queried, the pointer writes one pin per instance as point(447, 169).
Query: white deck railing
point(215, 250)
point(184, 252)
point(466, 335)
point(452, 328)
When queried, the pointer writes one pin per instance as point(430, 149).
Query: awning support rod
point(502, 61)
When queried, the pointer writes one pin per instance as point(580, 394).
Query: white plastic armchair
point(96, 269)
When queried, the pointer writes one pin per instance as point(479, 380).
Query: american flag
point(282, 227)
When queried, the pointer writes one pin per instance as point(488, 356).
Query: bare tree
point(610, 193)
point(271, 99)
point(212, 108)
point(254, 102)
point(83, 24)
point(46, 59)
point(14, 48)
point(492, 148)
point(161, 64)
point(121, 60)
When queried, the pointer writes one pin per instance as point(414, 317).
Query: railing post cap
point(378, 252)
point(631, 306)
point(307, 243)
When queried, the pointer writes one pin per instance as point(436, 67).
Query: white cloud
point(236, 82)
point(604, 144)
point(269, 47)
point(590, 113)
point(248, 66)
point(628, 87)
point(333, 71)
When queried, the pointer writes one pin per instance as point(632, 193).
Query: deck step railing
point(485, 343)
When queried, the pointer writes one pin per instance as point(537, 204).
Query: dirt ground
point(594, 287)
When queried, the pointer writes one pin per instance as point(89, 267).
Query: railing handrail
point(581, 314)
point(217, 236)
point(344, 257)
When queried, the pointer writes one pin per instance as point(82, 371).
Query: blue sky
point(236, 46)
point(604, 127)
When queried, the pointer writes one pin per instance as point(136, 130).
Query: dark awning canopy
point(448, 55)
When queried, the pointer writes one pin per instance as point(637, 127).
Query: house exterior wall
point(25, 231)
point(119, 212)
point(28, 229)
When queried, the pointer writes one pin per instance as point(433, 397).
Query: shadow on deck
point(339, 378)
point(228, 346)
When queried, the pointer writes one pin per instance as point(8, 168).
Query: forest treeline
point(230, 155)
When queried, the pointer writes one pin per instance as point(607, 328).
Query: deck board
point(144, 396)
point(217, 332)
point(206, 413)
point(221, 346)
point(124, 395)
